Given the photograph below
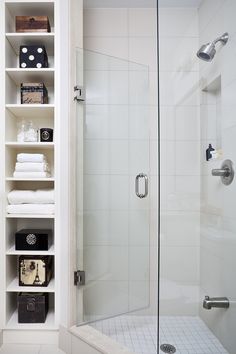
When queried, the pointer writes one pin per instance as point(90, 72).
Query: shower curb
point(98, 341)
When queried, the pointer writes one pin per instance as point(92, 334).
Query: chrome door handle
point(137, 179)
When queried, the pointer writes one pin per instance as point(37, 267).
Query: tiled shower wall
point(218, 126)
point(180, 161)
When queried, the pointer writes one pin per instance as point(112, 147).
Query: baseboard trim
point(30, 337)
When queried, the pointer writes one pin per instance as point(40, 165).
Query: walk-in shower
point(151, 111)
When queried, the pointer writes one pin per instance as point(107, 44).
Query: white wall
point(180, 161)
point(117, 147)
point(218, 126)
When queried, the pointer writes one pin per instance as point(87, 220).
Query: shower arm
point(224, 39)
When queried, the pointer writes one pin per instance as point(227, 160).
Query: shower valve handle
point(226, 172)
point(221, 172)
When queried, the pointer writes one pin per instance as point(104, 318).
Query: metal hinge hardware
point(80, 95)
point(79, 277)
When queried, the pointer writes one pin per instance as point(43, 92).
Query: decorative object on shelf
point(33, 56)
point(32, 24)
point(27, 132)
point(31, 132)
point(33, 240)
point(35, 270)
point(34, 93)
point(21, 131)
point(46, 135)
point(32, 307)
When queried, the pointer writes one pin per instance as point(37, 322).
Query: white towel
point(31, 167)
point(40, 196)
point(30, 157)
point(31, 174)
point(31, 209)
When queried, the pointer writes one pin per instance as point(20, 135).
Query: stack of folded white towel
point(41, 201)
point(31, 166)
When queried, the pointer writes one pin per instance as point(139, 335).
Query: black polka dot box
point(33, 56)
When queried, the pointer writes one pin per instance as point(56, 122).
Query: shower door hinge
point(80, 95)
point(79, 277)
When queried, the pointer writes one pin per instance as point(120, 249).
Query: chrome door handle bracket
point(137, 180)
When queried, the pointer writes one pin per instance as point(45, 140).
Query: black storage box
point(46, 135)
point(35, 270)
point(33, 56)
point(32, 307)
point(34, 93)
point(32, 24)
point(33, 240)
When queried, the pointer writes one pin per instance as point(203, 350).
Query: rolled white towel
point(30, 157)
point(31, 175)
point(31, 209)
point(31, 167)
point(40, 196)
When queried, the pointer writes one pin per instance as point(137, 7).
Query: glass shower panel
point(198, 211)
point(113, 199)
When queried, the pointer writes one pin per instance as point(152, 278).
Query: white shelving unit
point(43, 116)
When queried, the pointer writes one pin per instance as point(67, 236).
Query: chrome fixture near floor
point(217, 302)
point(226, 172)
point(208, 51)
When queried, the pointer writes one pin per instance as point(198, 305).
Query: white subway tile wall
point(180, 161)
point(218, 202)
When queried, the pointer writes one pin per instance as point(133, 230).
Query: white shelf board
point(48, 325)
point(19, 75)
point(13, 252)
point(31, 110)
point(30, 216)
point(12, 179)
point(34, 38)
point(14, 287)
point(30, 145)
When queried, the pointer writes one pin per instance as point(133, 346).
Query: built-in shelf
point(42, 115)
point(30, 216)
point(18, 39)
point(29, 110)
point(12, 179)
point(13, 252)
point(48, 325)
point(14, 287)
point(30, 145)
point(19, 75)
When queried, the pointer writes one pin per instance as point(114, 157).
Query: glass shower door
point(113, 173)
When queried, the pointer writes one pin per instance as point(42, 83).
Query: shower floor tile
point(189, 335)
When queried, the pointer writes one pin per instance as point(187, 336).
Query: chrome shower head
point(208, 51)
